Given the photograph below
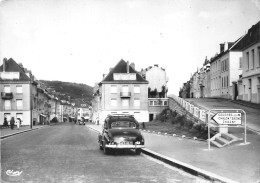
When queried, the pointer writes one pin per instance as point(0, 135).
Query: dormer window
point(124, 76)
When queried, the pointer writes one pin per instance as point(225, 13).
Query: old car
point(120, 132)
point(81, 122)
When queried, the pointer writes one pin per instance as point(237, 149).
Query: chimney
point(222, 47)
point(4, 64)
point(127, 66)
point(132, 65)
point(225, 46)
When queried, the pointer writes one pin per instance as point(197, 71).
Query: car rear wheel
point(138, 151)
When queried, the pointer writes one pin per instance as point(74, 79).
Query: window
point(113, 102)
point(19, 89)
point(113, 89)
point(125, 88)
point(19, 104)
point(240, 63)
point(7, 104)
point(125, 102)
point(253, 58)
point(227, 81)
point(151, 103)
point(137, 102)
point(247, 60)
point(165, 103)
point(136, 89)
point(7, 89)
point(226, 65)
point(258, 52)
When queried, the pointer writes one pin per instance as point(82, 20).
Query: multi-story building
point(122, 91)
point(249, 83)
point(18, 90)
point(194, 85)
point(203, 87)
point(157, 89)
point(225, 68)
point(83, 112)
point(42, 116)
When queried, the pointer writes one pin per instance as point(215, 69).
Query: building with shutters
point(122, 91)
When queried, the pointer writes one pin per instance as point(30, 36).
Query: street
point(70, 153)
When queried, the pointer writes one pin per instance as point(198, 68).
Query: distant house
point(18, 90)
point(43, 113)
point(225, 69)
point(194, 85)
point(122, 91)
point(157, 89)
point(249, 82)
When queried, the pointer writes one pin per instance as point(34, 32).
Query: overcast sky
point(79, 40)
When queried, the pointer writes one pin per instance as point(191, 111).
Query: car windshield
point(123, 124)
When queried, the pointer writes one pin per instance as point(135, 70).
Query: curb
point(173, 135)
point(184, 166)
point(3, 137)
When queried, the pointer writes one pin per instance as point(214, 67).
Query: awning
point(43, 115)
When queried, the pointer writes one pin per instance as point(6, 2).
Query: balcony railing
point(125, 94)
point(6, 96)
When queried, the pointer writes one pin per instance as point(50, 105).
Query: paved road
point(69, 153)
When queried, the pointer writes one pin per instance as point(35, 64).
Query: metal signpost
point(229, 117)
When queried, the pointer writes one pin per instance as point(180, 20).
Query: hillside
point(77, 92)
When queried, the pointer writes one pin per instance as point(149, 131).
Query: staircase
point(173, 105)
point(223, 139)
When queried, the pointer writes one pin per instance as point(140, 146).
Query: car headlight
point(137, 142)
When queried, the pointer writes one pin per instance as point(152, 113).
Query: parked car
point(120, 132)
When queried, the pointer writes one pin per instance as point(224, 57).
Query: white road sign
point(228, 118)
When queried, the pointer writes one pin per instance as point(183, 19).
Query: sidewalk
point(252, 110)
point(7, 132)
point(238, 162)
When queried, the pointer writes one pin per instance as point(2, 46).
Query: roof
point(12, 66)
point(231, 46)
point(252, 37)
point(121, 67)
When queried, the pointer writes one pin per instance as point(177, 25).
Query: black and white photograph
point(130, 91)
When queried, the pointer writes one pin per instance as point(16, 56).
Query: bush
point(200, 127)
point(188, 124)
point(181, 120)
point(166, 114)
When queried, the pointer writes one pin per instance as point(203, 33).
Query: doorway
point(150, 117)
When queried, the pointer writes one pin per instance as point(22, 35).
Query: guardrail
point(192, 109)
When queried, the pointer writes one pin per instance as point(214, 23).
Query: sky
point(79, 40)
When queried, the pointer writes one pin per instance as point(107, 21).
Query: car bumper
point(124, 146)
